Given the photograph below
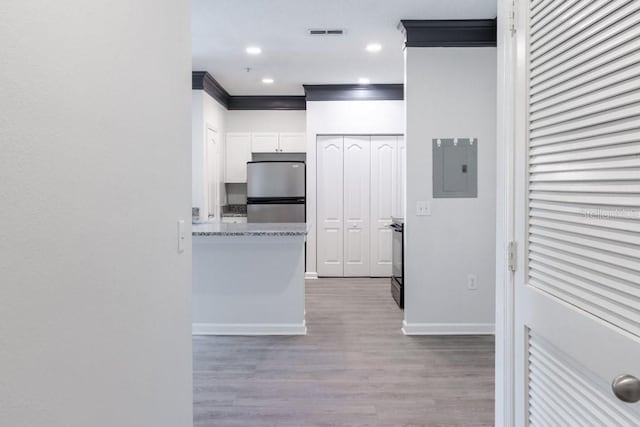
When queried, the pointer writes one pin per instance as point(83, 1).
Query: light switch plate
point(472, 282)
point(181, 235)
point(423, 208)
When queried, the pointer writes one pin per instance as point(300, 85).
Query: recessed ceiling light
point(374, 47)
point(364, 81)
point(254, 50)
point(267, 80)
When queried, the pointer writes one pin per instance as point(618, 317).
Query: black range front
point(397, 273)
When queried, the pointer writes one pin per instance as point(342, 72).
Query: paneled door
point(330, 212)
point(356, 205)
point(401, 179)
point(213, 174)
point(384, 178)
point(577, 213)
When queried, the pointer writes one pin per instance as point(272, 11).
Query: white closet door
point(577, 293)
point(330, 213)
point(383, 192)
point(356, 205)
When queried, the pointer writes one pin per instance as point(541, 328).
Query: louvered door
point(578, 211)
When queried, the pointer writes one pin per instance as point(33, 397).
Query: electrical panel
point(455, 167)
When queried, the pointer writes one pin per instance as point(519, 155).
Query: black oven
point(397, 272)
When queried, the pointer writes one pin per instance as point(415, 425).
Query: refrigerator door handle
point(275, 201)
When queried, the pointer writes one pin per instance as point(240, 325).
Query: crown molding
point(449, 32)
point(267, 103)
point(353, 92)
point(202, 80)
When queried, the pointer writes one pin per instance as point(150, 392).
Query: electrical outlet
point(472, 282)
point(423, 208)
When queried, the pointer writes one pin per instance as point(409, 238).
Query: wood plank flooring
point(354, 368)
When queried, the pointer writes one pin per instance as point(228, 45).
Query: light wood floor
point(354, 368)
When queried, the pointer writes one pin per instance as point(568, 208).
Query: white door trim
point(505, 216)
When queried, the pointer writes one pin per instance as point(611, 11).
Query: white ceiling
point(222, 29)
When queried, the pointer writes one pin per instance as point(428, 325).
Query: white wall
point(450, 92)
point(94, 297)
point(207, 113)
point(342, 117)
point(266, 121)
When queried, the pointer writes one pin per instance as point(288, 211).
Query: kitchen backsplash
point(236, 194)
point(234, 209)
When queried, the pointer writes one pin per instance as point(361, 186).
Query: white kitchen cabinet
point(265, 142)
point(383, 194)
point(330, 212)
point(237, 154)
point(284, 142)
point(356, 205)
point(293, 142)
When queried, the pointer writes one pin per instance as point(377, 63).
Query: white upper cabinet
point(265, 142)
point(237, 154)
point(284, 142)
point(293, 142)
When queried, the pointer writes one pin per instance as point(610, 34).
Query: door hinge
point(512, 18)
point(513, 255)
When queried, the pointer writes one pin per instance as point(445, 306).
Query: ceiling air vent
point(326, 32)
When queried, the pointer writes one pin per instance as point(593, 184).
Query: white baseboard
point(248, 329)
point(310, 275)
point(448, 328)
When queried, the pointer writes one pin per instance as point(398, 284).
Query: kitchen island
point(248, 279)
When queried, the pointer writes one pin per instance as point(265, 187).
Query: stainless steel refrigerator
point(276, 191)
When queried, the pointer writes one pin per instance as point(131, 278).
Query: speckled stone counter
point(250, 229)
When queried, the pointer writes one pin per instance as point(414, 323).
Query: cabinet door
point(330, 213)
point(356, 205)
point(264, 142)
point(293, 142)
point(237, 154)
point(383, 193)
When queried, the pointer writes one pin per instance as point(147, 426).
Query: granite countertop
point(250, 229)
